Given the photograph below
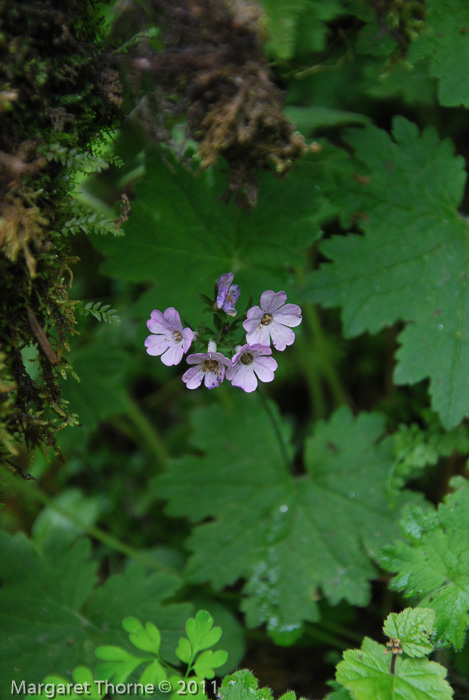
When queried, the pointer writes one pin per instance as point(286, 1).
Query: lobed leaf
point(298, 25)
point(81, 676)
point(208, 661)
point(445, 42)
point(154, 673)
point(184, 651)
point(242, 685)
point(200, 631)
point(366, 674)
point(116, 664)
point(181, 236)
point(410, 264)
point(146, 638)
point(414, 630)
point(289, 537)
point(432, 563)
point(54, 613)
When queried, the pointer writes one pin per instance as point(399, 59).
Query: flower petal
point(270, 301)
point(157, 344)
point(196, 358)
point(173, 319)
point(193, 377)
point(157, 323)
point(214, 379)
point(221, 359)
point(232, 371)
point(260, 335)
point(289, 315)
point(254, 314)
point(281, 336)
point(245, 378)
point(187, 338)
point(264, 367)
point(224, 282)
point(258, 350)
point(172, 356)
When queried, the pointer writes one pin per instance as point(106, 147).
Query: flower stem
point(330, 373)
point(277, 429)
point(313, 376)
point(32, 492)
point(326, 637)
point(337, 628)
point(147, 431)
point(314, 329)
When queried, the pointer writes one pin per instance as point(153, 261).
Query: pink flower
point(210, 368)
point(170, 339)
point(272, 320)
point(251, 363)
point(228, 294)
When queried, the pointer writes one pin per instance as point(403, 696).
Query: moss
point(59, 92)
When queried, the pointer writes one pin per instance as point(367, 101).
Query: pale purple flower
point(251, 362)
point(228, 294)
point(169, 339)
point(209, 368)
point(272, 320)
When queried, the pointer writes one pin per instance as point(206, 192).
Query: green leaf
point(410, 263)
point(445, 42)
point(81, 676)
point(141, 595)
point(207, 661)
point(183, 237)
point(117, 664)
point(310, 119)
point(366, 674)
point(432, 564)
point(413, 628)
point(154, 673)
point(417, 447)
point(233, 638)
point(145, 638)
point(295, 25)
point(184, 650)
point(339, 693)
point(53, 613)
point(85, 509)
point(100, 366)
point(242, 685)
point(200, 631)
point(287, 535)
point(289, 695)
point(100, 311)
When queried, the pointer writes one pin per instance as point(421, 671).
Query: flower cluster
point(269, 323)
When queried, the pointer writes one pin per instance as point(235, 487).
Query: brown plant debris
point(213, 69)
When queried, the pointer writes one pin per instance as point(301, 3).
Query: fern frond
point(92, 223)
point(100, 311)
point(75, 159)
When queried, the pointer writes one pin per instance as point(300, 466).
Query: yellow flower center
point(266, 319)
point(209, 365)
point(247, 358)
